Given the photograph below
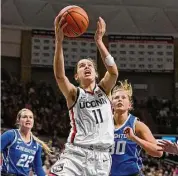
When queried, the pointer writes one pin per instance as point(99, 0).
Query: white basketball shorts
point(78, 161)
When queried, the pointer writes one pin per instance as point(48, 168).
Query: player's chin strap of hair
point(109, 60)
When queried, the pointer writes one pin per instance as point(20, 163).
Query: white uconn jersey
point(91, 119)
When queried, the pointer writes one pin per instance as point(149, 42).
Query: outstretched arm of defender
point(111, 75)
point(168, 146)
point(68, 89)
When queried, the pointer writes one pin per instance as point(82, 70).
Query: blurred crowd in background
point(52, 122)
point(50, 111)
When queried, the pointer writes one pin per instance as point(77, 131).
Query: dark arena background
point(142, 36)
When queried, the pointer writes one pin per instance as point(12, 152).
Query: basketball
point(77, 20)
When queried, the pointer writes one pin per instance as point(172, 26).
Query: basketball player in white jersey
point(92, 134)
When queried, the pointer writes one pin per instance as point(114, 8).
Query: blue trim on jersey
point(18, 156)
point(125, 153)
point(123, 125)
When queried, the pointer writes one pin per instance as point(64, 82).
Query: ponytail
point(45, 146)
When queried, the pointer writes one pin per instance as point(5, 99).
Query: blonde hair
point(45, 146)
point(124, 85)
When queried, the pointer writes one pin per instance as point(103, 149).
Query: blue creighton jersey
point(125, 153)
point(18, 156)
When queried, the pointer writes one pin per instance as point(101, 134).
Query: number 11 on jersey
point(98, 116)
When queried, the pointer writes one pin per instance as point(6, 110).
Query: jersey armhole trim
point(102, 89)
point(78, 91)
point(38, 145)
point(107, 96)
point(134, 125)
point(15, 137)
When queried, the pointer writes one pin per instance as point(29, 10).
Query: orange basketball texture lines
point(77, 20)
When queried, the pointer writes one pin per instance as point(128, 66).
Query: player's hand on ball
point(129, 133)
point(101, 29)
point(59, 25)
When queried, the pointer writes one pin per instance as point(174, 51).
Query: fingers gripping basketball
point(76, 19)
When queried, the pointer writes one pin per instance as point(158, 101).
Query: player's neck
point(25, 134)
point(120, 118)
point(88, 86)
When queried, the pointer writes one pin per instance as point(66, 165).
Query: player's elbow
point(113, 75)
point(60, 78)
point(39, 171)
point(114, 72)
point(157, 154)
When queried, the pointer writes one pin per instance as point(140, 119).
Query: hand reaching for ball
point(76, 21)
point(101, 29)
point(59, 25)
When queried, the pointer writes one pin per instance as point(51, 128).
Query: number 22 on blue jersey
point(25, 160)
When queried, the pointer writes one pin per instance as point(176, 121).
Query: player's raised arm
point(111, 75)
point(68, 89)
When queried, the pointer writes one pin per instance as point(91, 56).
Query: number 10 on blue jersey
point(118, 148)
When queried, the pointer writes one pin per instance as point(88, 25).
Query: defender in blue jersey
point(20, 149)
point(130, 135)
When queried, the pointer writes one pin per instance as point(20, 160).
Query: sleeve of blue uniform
point(6, 139)
point(38, 163)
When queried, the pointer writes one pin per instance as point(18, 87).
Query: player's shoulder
point(10, 136)
point(10, 132)
point(134, 118)
point(80, 91)
point(141, 126)
point(100, 88)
